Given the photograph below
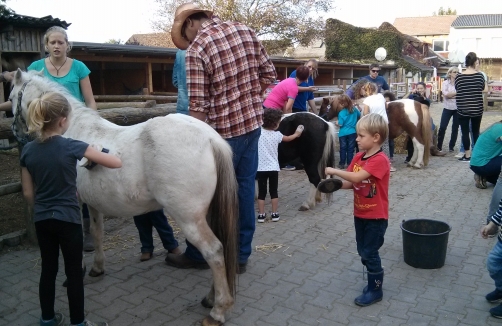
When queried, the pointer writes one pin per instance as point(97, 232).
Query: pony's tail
point(328, 155)
point(224, 209)
point(426, 133)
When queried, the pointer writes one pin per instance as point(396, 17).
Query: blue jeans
point(347, 145)
point(156, 219)
point(245, 159)
point(494, 264)
point(446, 116)
point(370, 237)
point(490, 171)
point(496, 196)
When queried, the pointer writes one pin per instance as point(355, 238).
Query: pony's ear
point(40, 73)
point(19, 76)
point(325, 100)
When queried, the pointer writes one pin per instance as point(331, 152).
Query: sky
point(102, 20)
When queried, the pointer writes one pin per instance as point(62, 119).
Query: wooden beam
point(121, 116)
point(10, 188)
point(130, 98)
point(116, 105)
point(90, 57)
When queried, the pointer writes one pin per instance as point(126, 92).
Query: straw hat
point(182, 12)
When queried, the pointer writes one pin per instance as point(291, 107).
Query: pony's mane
point(44, 84)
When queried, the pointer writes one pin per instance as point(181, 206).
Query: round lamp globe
point(380, 54)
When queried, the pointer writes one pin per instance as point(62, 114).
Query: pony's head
point(28, 86)
point(330, 108)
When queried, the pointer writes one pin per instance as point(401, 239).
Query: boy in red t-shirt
point(368, 174)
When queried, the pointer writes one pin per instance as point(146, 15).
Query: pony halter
point(19, 124)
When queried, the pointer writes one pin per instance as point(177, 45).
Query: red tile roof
point(431, 25)
point(152, 39)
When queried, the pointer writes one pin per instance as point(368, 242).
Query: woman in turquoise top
point(71, 73)
point(486, 160)
point(57, 66)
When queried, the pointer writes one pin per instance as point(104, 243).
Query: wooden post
point(333, 77)
point(102, 78)
point(149, 80)
point(163, 78)
point(344, 85)
point(338, 82)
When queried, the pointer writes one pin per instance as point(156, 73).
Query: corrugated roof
point(152, 39)
point(27, 21)
point(150, 51)
point(429, 25)
point(417, 64)
point(488, 20)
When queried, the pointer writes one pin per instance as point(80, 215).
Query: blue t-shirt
point(487, 146)
point(379, 81)
point(347, 121)
point(302, 97)
point(53, 167)
point(71, 81)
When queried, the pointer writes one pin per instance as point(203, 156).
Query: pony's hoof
point(303, 208)
point(210, 321)
point(206, 303)
point(93, 273)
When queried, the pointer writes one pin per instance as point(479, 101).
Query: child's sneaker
point(56, 321)
point(261, 218)
point(275, 217)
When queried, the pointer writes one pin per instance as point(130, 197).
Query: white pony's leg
point(97, 231)
point(417, 161)
point(201, 236)
point(311, 199)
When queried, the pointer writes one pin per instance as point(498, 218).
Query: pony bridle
point(19, 120)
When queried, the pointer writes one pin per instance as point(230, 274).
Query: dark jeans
point(273, 179)
point(53, 234)
point(464, 125)
point(347, 145)
point(409, 148)
point(391, 147)
point(145, 223)
point(85, 211)
point(245, 159)
point(490, 171)
point(370, 237)
point(445, 120)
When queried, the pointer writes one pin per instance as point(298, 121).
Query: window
point(441, 45)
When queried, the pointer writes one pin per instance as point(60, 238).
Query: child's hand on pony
point(299, 130)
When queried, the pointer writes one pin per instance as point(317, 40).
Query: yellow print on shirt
point(361, 187)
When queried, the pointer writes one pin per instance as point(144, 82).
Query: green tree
point(114, 41)
point(4, 10)
point(443, 12)
point(281, 22)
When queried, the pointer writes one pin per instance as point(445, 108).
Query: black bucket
point(425, 243)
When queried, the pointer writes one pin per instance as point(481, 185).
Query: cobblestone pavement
point(310, 277)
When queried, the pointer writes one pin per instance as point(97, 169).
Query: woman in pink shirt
point(283, 94)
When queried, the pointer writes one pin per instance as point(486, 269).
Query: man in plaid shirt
point(227, 71)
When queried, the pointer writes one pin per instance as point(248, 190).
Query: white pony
point(175, 162)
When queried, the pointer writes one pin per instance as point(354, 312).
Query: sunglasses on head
point(377, 70)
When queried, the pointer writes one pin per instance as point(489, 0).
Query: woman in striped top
point(470, 86)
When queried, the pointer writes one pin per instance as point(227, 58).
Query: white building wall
point(486, 42)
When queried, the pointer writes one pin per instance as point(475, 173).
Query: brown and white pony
point(404, 115)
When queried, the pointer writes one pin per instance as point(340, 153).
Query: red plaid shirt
point(225, 65)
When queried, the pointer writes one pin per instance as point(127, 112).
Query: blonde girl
point(48, 175)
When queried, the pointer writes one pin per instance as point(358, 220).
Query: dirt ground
point(11, 206)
